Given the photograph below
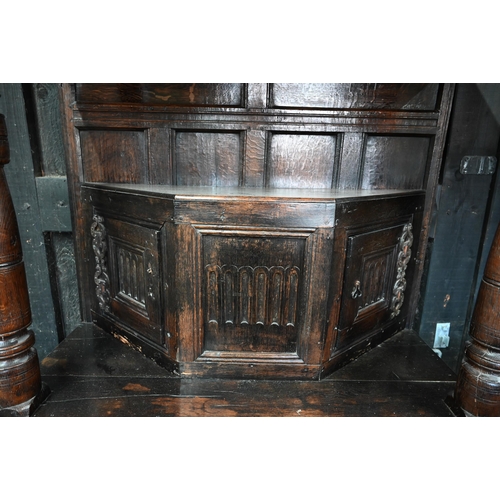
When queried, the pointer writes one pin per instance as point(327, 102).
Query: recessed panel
point(301, 161)
point(251, 291)
point(164, 94)
point(394, 96)
point(395, 162)
point(128, 272)
point(114, 155)
point(207, 159)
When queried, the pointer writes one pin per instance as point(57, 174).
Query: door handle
point(356, 291)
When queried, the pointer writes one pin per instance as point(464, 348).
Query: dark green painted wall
point(37, 181)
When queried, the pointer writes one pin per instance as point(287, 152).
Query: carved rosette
point(100, 247)
point(404, 255)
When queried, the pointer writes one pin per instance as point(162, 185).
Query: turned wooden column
point(21, 388)
point(478, 384)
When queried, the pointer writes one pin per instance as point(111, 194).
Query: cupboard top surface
point(255, 194)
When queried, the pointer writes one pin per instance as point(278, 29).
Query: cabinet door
point(374, 280)
point(131, 268)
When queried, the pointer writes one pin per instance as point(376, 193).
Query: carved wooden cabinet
point(250, 282)
point(253, 230)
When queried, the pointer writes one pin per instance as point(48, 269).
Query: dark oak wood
point(250, 282)
point(20, 381)
point(93, 374)
point(243, 192)
point(478, 384)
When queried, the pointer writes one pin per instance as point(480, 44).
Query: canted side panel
point(391, 96)
point(301, 160)
point(162, 94)
point(374, 282)
point(127, 275)
point(395, 162)
point(251, 292)
point(114, 155)
point(207, 158)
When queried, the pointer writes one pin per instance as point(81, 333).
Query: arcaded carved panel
point(301, 161)
point(130, 273)
point(207, 159)
point(251, 296)
point(252, 289)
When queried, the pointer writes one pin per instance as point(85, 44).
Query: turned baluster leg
point(478, 384)
point(21, 389)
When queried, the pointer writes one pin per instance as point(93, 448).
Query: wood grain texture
point(395, 162)
point(114, 155)
point(166, 94)
point(415, 96)
point(301, 161)
point(92, 374)
point(207, 159)
point(298, 137)
point(20, 379)
point(478, 384)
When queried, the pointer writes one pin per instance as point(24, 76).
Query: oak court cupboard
point(252, 230)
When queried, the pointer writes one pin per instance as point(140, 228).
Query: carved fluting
point(101, 277)
point(375, 268)
point(131, 275)
point(404, 255)
point(252, 295)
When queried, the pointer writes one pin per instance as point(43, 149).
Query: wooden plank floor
point(93, 374)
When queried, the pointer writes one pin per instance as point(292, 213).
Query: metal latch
point(478, 165)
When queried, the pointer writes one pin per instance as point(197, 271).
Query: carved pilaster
point(101, 277)
point(404, 256)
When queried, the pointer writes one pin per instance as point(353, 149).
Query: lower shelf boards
point(93, 374)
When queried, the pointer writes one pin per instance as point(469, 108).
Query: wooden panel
point(397, 96)
point(251, 292)
point(165, 94)
point(369, 281)
point(92, 374)
point(301, 161)
point(128, 268)
point(114, 155)
point(398, 162)
point(207, 158)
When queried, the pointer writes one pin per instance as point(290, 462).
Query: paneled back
point(283, 135)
